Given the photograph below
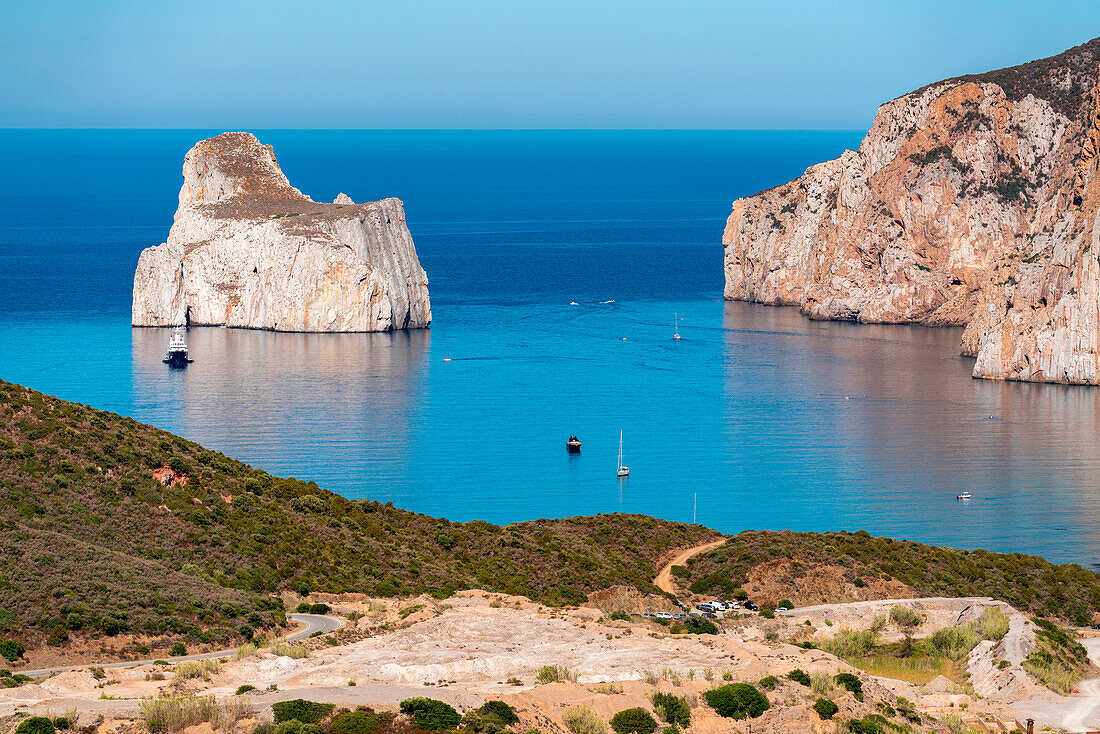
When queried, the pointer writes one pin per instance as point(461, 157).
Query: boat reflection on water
point(333, 408)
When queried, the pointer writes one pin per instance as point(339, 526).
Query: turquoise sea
point(757, 418)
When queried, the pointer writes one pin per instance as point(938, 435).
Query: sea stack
point(971, 202)
point(249, 250)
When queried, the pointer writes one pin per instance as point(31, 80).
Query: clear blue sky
point(489, 64)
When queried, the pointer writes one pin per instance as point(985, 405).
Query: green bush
point(302, 608)
point(36, 725)
point(799, 676)
point(769, 682)
point(869, 724)
point(583, 720)
point(825, 708)
point(491, 717)
point(672, 709)
point(430, 714)
point(12, 650)
point(355, 722)
point(785, 604)
point(319, 608)
point(178, 649)
point(64, 722)
point(307, 712)
point(767, 612)
point(633, 721)
point(245, 689)
point(737, 701)
point(850, 682)
point(700, 626)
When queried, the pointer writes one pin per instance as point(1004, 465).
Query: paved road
point(313, 623)
point(664, 578)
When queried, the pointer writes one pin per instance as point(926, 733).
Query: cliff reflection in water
point(340, 404)
point(880, 427)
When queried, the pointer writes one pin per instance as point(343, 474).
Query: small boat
point(573, 445)
point(676, 326)
point(963, 496)
point(622, 471)
point(176, 356)
point(574, 303)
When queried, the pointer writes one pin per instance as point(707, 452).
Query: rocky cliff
point(970, 202)
point(247, 249)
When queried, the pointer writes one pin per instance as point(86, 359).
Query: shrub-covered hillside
point(97, 534)
point(1028, 583)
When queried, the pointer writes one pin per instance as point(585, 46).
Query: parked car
point(710, 615)
point(679, 616)
point(650, 615)
point(753, 607)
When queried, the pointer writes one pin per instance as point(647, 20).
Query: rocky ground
point(477, 646)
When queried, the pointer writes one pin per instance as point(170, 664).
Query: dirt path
point(664, 578)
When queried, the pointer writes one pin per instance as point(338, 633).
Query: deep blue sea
point(757, 418)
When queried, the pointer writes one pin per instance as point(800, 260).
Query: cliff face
point(247, 249)
point(970, 202)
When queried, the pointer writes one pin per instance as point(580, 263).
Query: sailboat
point(622, 470)
point(676, 326)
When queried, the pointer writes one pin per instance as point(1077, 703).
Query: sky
point(787, 64)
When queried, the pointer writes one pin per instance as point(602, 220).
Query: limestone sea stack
point(247, 249)
point(971, 202)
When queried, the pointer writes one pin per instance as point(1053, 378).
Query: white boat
point(963, 496)
point(176, 355)
point(622, 470)
point(676, 326)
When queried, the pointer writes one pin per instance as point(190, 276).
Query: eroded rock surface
point(247, 249)
point(971, 202)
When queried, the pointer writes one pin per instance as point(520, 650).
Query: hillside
point(812, 568)
point(110, 525)
point(970, 202)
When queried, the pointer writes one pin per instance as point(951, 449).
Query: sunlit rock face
point(247, 249)
point(970, 202)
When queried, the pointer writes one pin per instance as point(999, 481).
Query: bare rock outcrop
point(247, 249)
point(971, 202)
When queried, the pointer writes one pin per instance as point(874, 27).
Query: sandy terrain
point(477, 646)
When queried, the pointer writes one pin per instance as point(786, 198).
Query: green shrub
point(672, 709)
point(241, 690)
point(767, 612)
point(633, 721)
point(302, 608)
point(307, 712)
point(825, 708)
point(584, 720)
point(430, 714)
point(178, 649)
point(904, 616)
point(620, 616)
point(491, 717)
point(799, 676)
point(850, 682)
point(35, 725)
point(870, 724)
point(700, 626)
point(12, 650)
point(681, 572)
point(785, 604)
point(356, 722)
point(62, 723)
point(319, 608)
point(555, 674)
point(737, 701)
point(769, 682)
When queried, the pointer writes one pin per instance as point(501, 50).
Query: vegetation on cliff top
point(1028, 583)
point(90, 540)
point(1065, 80)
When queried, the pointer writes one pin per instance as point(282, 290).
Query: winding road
point(314, 623)
point(664, 578)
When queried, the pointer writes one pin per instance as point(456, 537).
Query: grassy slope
point(1029, 583)
point(89, 536)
